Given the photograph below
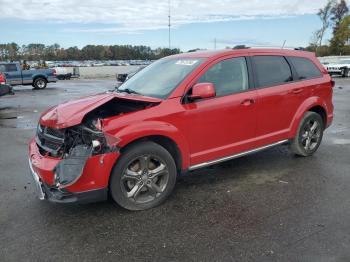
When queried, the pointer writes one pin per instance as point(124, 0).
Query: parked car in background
point(121, 78)
point(179, 114)
point(341, 69)
point(38, 78)
point(4, 88)
point(62, 73)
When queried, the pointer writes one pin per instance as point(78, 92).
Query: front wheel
point(309, 135)
point(40, 83)
point(143, 177)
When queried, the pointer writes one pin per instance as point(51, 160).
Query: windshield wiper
point(129, 91)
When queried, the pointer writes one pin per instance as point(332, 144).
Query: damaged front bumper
point(63, 196)
point(91, 186)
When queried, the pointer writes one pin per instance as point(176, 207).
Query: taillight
point(2, 79)
point(54, 72)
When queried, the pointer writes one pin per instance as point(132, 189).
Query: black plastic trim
point(63, 196)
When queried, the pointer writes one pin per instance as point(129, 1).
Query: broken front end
point(71, 156)
point(73, 164)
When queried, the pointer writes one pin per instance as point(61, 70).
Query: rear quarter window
point(305, 68)
point(271, 70)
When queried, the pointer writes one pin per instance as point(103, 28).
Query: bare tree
point(338, 12)
point(325, 15)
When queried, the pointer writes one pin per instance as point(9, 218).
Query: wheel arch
point(166, 142)
point(314, 104)
point(321, 111)
point(39, 76)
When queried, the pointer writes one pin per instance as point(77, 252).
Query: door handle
point(248, 102)
point(297, 90)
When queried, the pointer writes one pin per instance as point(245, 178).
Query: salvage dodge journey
point(181, 113)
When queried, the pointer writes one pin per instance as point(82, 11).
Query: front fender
point(140, 130)
point(303, 108)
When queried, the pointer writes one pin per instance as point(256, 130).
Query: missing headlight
point(80, 143)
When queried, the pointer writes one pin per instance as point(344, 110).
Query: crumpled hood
point(72, 112)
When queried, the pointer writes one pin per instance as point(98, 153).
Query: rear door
point(223, 125)
point(279, 97)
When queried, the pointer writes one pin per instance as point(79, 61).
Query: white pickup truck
point(342, 68)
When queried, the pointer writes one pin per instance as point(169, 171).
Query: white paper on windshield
point(186, 62)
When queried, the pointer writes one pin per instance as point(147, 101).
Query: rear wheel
point(40, 83)
point(345, 72)
point(143, 177)
point(309, 135)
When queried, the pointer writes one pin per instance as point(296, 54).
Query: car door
point(279, 97)
point(223, 125)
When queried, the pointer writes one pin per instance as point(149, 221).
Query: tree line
point(335, 16)
point(12, 51)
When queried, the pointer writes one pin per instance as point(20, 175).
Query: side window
point(228, 76)
point(305, 68)
point(8, 68)
point(271, 70)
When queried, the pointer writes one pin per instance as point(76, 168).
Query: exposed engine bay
point(77, 143)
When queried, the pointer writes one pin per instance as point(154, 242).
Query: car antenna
point(284, 42)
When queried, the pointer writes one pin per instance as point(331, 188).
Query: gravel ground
point(270, 206)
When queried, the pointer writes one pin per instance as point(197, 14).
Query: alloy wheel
point(311, 135)
point(144, 179)
point(40, 83)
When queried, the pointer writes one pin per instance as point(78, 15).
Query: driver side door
point(225, 124)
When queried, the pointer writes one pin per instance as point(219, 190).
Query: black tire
point(145, 196)
point(40, 83)
point(306, 141)
point(345, 72)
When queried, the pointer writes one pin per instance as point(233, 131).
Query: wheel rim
point(311, 135)
point(144, 179)
point(40, 83)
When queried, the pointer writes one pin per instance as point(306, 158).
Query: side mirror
point(202, 90)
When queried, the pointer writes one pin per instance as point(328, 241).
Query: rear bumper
point(91, 186)
point(329, 120)
point(51, 79)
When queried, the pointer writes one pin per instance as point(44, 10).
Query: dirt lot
point(270, 206)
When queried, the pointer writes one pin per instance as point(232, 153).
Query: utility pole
point(169, 24)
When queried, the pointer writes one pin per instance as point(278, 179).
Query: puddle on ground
point(338, 130)
point(341, 141)
point(19, 123)
point(12, 118)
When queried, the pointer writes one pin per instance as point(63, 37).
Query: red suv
point(179, 114)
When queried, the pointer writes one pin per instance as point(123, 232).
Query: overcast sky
point(194, 23)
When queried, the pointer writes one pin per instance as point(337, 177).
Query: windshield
point(160, 78)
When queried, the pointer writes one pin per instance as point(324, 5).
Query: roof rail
point(269, 47)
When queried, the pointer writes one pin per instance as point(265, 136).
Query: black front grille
point(50, 140)
point(55, 132)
